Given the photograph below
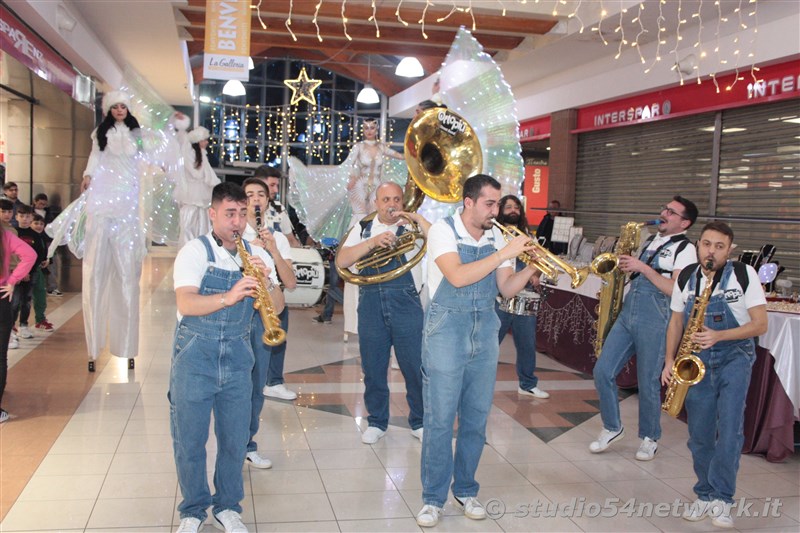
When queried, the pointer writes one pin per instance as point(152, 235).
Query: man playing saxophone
point(389, 313)
point(641, 326)
point(212, 360)
point(736, 312)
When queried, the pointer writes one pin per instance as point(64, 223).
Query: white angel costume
point(193, 189)
point(105, 227)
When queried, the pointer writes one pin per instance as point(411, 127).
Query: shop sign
point(227, 43)
point(535, 129)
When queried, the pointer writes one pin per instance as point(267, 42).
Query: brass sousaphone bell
point(442, 151)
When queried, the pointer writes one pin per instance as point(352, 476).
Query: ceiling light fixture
point(368, 95)
point(234, 88)
point(409, 67)
point(250, 64)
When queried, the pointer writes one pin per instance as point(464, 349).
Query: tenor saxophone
point(273, 334)
point(688, 369)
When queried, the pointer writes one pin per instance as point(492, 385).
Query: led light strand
point(314, 20)
point(678, 40)
point(257, 8)
point(574, 14)
point(288, 22)
point(702, 54)
point(599, 29)
point(753, 67)
point(741, 26)
point(621, 28)
point(659, 40)
point(642, 31)
point(397, 14)
point(344, 22)
point(374, 19)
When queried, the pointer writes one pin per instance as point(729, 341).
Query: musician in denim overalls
point(389, 313)
point(641, 328)
point(736, 313)
point(212, 361)
point(469, 262)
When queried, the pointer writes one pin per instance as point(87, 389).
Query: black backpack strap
point(740, 271)
point(686, 275)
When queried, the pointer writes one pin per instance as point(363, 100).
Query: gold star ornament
point(303, 88)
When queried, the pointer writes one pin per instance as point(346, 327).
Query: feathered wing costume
point(194, 187)
point(128, 201)
point(472, 85)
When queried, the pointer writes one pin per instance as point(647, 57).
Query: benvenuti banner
point(227, 40)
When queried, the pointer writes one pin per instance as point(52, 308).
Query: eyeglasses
point(671, 211)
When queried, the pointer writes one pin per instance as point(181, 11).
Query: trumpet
point(544, 260)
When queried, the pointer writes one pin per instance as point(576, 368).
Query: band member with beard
point(469, 263)
point(736, 312)
point(641, 328)
point(523, 327)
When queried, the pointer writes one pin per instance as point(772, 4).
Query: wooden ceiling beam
point(486, 21)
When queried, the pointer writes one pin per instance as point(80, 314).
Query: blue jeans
point(278, 354)
point(334, 294)
point(523, 330)
point(390, 315)
point(640, 329)
point(262, 355)
point(210, 376)
point(715, 414)
point(462, 365)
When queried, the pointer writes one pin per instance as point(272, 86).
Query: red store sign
point(535, 129)
point(775, 82)
point(18, 41)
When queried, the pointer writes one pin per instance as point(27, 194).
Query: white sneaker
point(279, 391)
point(697, 511)
point(257, 461)
point(720, 513)
point(473, 509)
point(417, 433)
point(605, 439)
point(372, 435)
point(229, 521)
point(429, 516)
point(647, 450)
point(13, 343)
point(189, 525)
point(25, 333)
point(536, 392)
point(3, 415)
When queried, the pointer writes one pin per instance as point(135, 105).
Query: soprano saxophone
point(688, 369)
point(273, 334)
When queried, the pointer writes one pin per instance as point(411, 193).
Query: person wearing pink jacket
point(10, 245)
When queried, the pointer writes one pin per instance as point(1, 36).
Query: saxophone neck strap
point(654, 255)
point(714, 282)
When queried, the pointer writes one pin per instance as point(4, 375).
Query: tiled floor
point(92, 452)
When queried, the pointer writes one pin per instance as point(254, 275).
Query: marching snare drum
point(310, 273)
point(525, 303)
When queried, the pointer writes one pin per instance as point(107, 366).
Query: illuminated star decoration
point(303, 88)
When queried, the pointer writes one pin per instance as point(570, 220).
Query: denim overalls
point(459, 365)
point(390, 314)
point(715, 406)
point(211, 365)
point(523, 329)
point(640, 329)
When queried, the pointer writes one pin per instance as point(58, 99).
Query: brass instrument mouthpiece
point(654, 222)
point(709, 265)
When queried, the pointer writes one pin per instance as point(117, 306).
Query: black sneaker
point(320, 320)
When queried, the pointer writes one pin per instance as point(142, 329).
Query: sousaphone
point(442, 150)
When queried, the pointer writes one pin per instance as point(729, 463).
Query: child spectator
point(6, 215)
point(40, 276)
point(23, 292)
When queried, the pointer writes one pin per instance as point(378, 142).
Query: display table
point(565, 332)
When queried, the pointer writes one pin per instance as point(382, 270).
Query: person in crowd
point(10, 245)
point(11, 192)
point(276, 219)
point(212, 361)
point(523, 327)
point(193, 190)
point(276, 244)
point(736, 313)
point(42, 207)
point(545, 229)
point(641, 326)
point(40, 242)
point(389, 312)
point(469, 263)
point(7, 215)
point(333, 295)
point(23, 297)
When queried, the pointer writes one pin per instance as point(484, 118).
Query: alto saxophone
point(613, 288)
point(688, 369)
point(273, 334)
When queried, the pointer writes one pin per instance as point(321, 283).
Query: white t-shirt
point(738, 300)
point(666, 257)
point(282, 243)
point(442, 241)
point(191, 262)
point(378, 227)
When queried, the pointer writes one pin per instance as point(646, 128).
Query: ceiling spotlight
point(409, 67)
point(250, 64)
point(234, 88)
point(205, 99)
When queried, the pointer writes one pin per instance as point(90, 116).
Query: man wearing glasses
point(641, 327)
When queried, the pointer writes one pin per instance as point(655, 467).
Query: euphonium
point(273, 334)
point(688, 369)
point(613, 287)
point(544, 260)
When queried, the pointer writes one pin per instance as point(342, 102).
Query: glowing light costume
point(193, 190)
